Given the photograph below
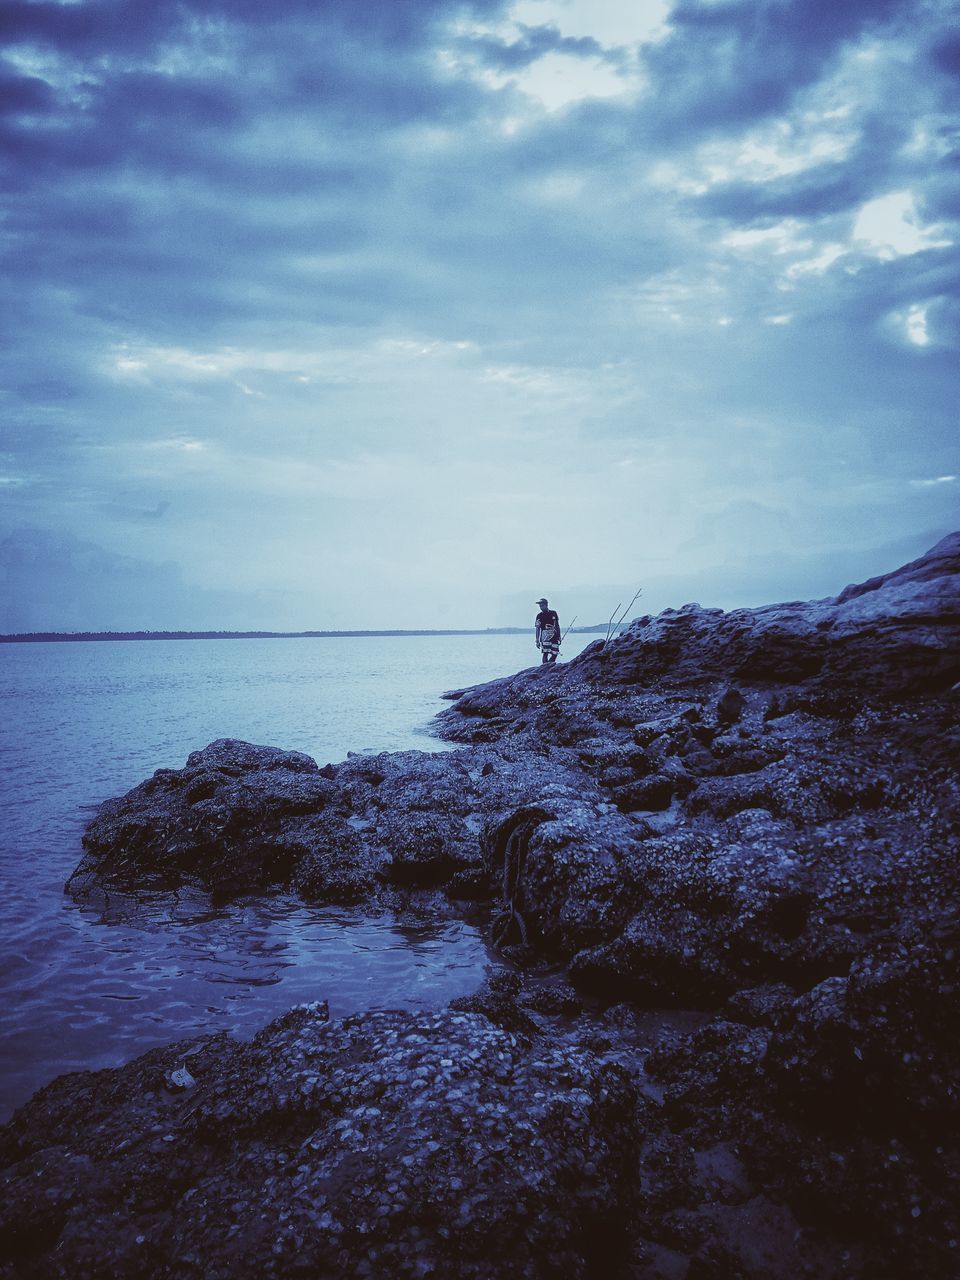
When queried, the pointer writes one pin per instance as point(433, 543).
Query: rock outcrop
point(238, 817)
point(390, 1144)
point(755, 814)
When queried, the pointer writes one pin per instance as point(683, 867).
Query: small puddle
point(139, 971)
point(134, 971)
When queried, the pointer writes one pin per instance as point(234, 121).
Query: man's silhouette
point(547, 632)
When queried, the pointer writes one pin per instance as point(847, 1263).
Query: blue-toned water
point(90, 987)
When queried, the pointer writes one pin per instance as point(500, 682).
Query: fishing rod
point(611, 625)
point(567, 632)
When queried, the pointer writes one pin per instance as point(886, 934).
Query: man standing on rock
point(548, 633)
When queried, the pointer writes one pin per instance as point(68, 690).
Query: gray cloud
point(752, 57)
point(332, 283)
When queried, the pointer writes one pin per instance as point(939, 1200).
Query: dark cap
point(543, 600)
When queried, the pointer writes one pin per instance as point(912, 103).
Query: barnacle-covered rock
point(755, 813)
point(389, 1144)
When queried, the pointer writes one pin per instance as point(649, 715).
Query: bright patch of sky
point(916, 326)
point(45, 65)
point(557, 79)
point(782, 149)
point(560, 77)
point(612, 23)
point(816, 265)
point(890, 227)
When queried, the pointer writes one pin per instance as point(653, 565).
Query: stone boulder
point(235, 817)
point(843, 1100)
point(458, 1143)
point(238, 818)
point(388, 1144)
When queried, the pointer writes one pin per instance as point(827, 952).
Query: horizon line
point(32, 637)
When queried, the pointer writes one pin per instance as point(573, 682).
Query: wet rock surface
point(239, 817)
point(754, 814)
point(390, 1144)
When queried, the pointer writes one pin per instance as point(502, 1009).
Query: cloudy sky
point(335, 313)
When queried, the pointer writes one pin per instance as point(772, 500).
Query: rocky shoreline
point(750, 814)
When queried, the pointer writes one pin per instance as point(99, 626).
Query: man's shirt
point(548, 624)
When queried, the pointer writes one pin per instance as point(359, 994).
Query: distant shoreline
point(40, 637)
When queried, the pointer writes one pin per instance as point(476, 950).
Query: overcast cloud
point(338, 313)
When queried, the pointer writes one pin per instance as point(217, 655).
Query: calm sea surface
point(79, 722)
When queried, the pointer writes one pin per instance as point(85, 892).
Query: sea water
point(91, 986)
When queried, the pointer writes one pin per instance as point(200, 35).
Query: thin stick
point(567, 632)
point(629, 607)
point(610, 623)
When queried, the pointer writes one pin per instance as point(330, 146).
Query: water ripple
point(90, 987)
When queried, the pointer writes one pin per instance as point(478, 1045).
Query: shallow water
point(79, 722)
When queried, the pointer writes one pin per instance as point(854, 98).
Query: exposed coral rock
point(755, 813)
point(390, 1144)
point(240, 817)
point(383, 1145)
point(899, 633)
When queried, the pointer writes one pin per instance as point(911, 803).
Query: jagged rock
point(764, 1006)
point(649, 795)
point(755, 812)
point(843, 1101)
point(730, 706)
point(239, 817)
point(558, 997)
point(390, 1144)
point(899, 633)
point(216, 818)
point(497, 1000)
